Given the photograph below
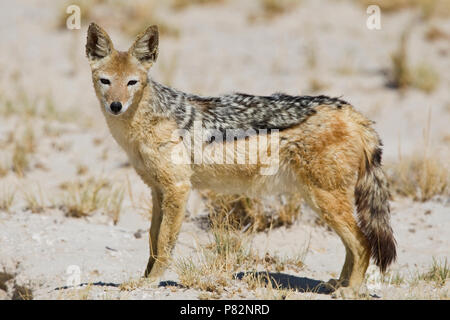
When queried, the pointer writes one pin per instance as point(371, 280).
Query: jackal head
point(120, 77)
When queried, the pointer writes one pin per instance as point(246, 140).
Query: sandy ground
point(218, 50)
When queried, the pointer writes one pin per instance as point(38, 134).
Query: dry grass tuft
point(316, 85)
point(228, 254)
point(34, 200)
point(20, 104)
point(4, 167)
point(23, 105)
point(279, 263)
point(113, 203)
point(20, 160)
point(214, 267)
point(82, 198)
point(137, 16)
point(265, 287)
point(16, 291)
point(245, 213)
point(401, 77)
point(83, 293)
point(425, 78)
point(420, 177)
point(22, 293)
point(434, 34)
point(183, 4)
point(7, 197)
point(23, 147)
point(134, 284)
point(393, 278)
point(428, 8)
point(421, 76)
point(272, 8)
point(439, 272)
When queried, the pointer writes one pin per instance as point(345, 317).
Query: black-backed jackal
point(324, 150)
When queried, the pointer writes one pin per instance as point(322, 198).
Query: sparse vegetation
point(428, 8)
point(280, 263)
point(16, 291)
point(213, 269)
point(4, 166)
point(133, 284)
point(401, 73)
point(439, 272)
point(229, 253)
point(137, 16)
point(316, 85)
point(113, 205)
point(22, 293)
point(82, 198)
point(245, 213)
point(82, 170)
point(421, 76)
point(22, 148)
point(183, 4)
point(20, 160)
point(7, 197)
point(424, 77)
point(265, 287)
point(434, 34)
point(26, 106)
point(272, 8)
point(420, 177)
point(393, 278)
point(34, 200)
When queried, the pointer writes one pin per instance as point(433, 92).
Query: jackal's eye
point(105, 81)
point(131, 82)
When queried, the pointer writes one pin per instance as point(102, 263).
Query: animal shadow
point(287, 281)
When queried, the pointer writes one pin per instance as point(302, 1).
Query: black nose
point(116, 106)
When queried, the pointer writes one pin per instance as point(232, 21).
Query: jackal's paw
point(151, 282)
point(330, 286)
point(334, 284)
point(350, 293)
point(151, 278)
point(345, 293)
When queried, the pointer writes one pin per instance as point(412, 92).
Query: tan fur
point(319, 158)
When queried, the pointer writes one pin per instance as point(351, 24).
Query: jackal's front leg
point(168, 213)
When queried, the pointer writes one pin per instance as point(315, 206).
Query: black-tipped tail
point(372, 203)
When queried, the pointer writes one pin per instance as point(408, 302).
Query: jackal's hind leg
point(337, 211)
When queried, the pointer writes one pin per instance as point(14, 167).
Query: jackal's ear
point(145, 48)
point(98, 44)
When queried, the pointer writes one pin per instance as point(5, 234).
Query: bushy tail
point(372, 203)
